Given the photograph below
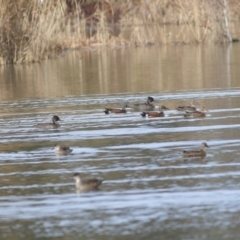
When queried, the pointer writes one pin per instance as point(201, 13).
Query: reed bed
point(34, 30)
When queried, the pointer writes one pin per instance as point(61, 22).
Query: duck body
point(84, 185)
point(196, 153)
point(54, 123)
point(62, 150)
point(186, 108)
point(192, 107)
point(196, 113)
point(152, 114)
point(148, 105)
point(116, 110)
point(162, 108)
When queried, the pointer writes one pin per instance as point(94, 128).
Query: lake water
point(149, 191)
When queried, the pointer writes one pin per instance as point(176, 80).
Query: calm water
point(149, 191)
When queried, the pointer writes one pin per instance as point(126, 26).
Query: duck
point(84, 185)
point(54, 123)
point(197, 114)
point(62, 150)
point(162, 108)
point(188, 108)
point(117, 110)
point(196, 153)
point(153, 114)
point(148, 105)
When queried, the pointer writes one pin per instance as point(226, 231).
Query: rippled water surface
point(149, 191)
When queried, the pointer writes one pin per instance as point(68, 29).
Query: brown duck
point(196, 153)
point(117, 110)
point(62, 150)
point(188, 108)
point(197, 114)
point(162, 107)
point(152, 114)
point(84, 185)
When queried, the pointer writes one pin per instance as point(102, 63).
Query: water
point(149, 191)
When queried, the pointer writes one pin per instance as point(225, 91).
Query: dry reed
point(33, 30)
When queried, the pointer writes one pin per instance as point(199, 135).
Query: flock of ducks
point(82, 185)
point(148, 107)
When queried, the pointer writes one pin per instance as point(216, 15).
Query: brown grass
point(33, 31)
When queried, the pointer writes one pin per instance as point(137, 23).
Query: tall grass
point(197, 21)
point(31, 30)
point(26, 31)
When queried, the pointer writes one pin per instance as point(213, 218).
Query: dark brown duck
point(54, 123)
point(117, 110)
point(196, 153)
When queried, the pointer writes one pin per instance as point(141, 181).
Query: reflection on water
point(109, 71)
point(149, 191)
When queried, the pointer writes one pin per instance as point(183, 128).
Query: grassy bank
point(32, 31)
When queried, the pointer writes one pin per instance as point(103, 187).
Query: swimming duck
point(162, 107)
point(196, 153)
point(54, 123)
point(188, 108)
point(148, 105)
point(152, 114)
point(117, 110)
point(86, 184)
point(62, 150)
point(197, 114)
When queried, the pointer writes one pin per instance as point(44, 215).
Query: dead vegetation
point(33, 30)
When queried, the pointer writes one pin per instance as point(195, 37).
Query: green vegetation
point(32, 30)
